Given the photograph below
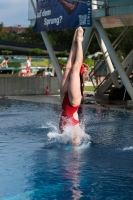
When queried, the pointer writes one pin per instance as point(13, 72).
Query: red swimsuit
point(82, 70)
point(66, 117)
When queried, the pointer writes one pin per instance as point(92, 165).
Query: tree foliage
point(1, 26)
point(64, 38)
point(61, 38)
point(62, 54)
point(44, 63)
point(37, 51)
point(6, 52)
point(29, 36)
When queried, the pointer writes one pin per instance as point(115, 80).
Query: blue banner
point(62, 14)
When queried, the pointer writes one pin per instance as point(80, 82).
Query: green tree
point(37, 51)
point(6, 52)
point(63, 38)
point(29, 36)
point(44, 63)
point(62, 54)
point(1, 29)
point(120, 55)
point(1, 26)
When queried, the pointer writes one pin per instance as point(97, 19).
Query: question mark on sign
point(60, 18)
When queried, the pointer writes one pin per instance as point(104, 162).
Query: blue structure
point(105, 14)
point(58, 15)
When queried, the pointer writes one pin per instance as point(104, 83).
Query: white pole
point(33, 5)
point(114, 58)
point(108, 60)
point(87, 39)
point(52, 55)
point(88, 31)
point(50, 50)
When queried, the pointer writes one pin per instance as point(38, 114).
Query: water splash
point(70, 132)
point(128, 148)
point(49, 126)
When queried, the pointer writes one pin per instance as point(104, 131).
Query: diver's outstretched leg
point(74, 83)
point(70, 63)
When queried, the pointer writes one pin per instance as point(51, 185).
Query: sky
point(14, 12)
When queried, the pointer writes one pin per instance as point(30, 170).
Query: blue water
point(32, 169)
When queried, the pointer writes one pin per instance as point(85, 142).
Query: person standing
point(28, 66)
point(5, 63)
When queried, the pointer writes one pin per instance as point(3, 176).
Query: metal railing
point(19, 71)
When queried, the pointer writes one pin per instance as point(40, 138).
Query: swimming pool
point(33, 169)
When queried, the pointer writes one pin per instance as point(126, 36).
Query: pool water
point(33, 169)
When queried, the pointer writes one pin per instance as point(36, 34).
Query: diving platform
point(105, 14)
point(115, 13)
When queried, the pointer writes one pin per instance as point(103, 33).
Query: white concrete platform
point(91, 101)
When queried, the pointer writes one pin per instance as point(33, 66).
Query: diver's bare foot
point(80, 34)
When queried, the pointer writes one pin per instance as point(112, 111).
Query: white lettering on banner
point(46, 13)
point(89, 16)
point(56, 21)
point(39, 14)
point(88, 3)
point(43, 13)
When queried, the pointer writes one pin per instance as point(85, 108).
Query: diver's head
point(76, 140)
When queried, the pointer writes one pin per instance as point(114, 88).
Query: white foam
point(128, 148)
point(49, 125)
point(68, 135)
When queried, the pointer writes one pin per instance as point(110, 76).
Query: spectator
point(5, 63)
point(86, 74)
point(28, 66)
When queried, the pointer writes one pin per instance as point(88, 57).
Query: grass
point(89, 88)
